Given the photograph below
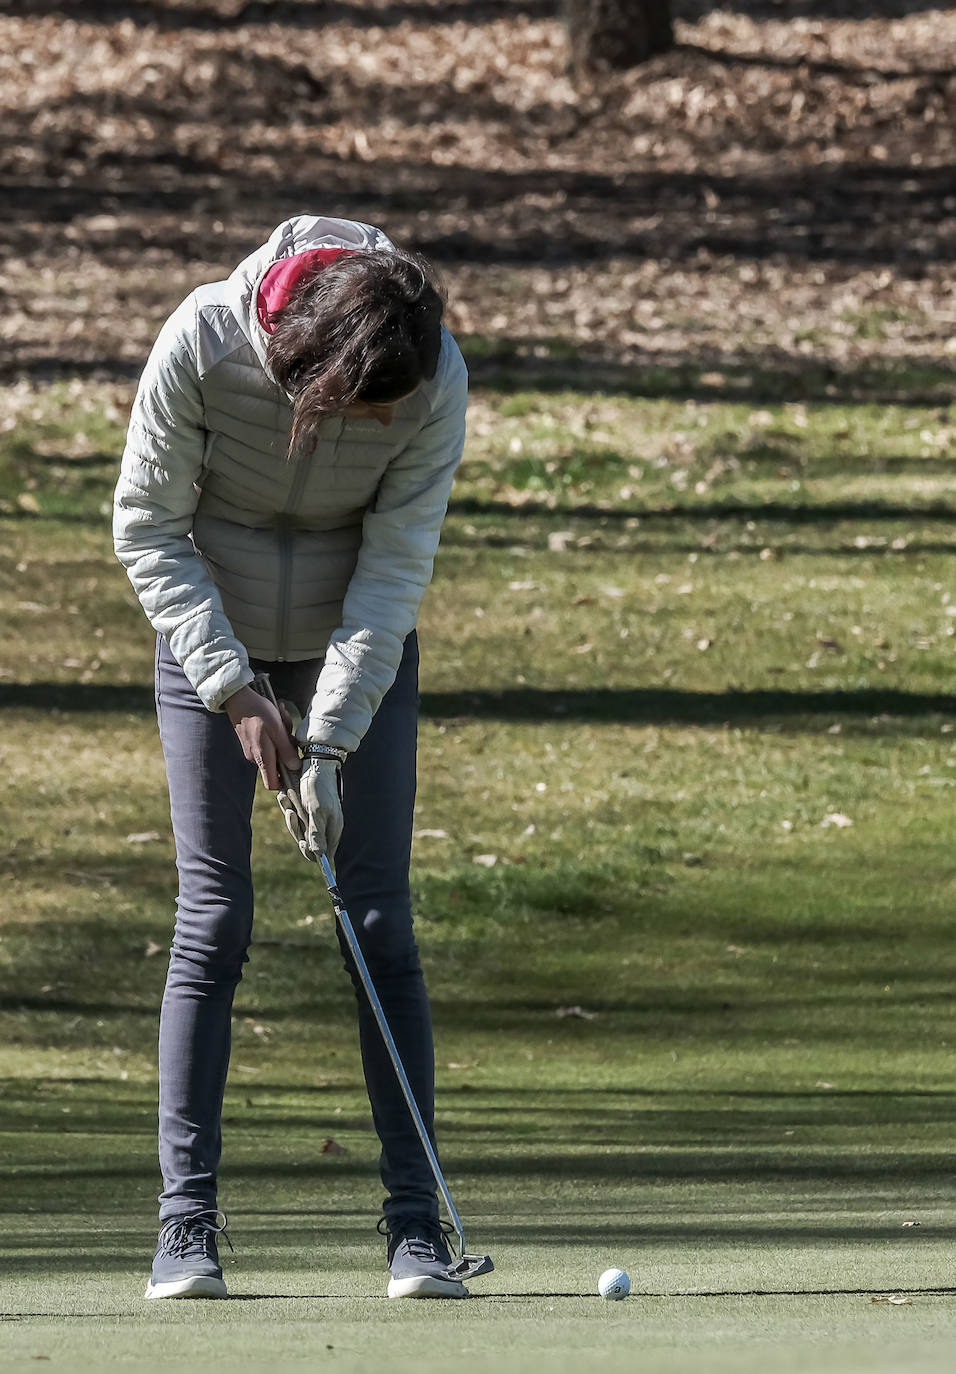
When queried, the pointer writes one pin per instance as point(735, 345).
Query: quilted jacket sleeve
point(153, 509)
point(399, 540)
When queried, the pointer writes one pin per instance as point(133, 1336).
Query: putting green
point(286, 1311)
point(740, 1260)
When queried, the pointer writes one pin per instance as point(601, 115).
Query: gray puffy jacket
point(233, 550)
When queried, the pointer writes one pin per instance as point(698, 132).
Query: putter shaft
point(351, 940)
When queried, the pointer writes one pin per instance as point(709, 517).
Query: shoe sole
point(426, 1286)
point(198, 1286)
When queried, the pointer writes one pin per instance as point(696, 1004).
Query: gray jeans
point(211, 790)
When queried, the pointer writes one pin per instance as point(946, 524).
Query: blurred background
point(773, 190)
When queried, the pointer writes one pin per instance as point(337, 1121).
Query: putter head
point(469, 1267)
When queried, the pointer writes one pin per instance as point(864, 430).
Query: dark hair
point(366, 327)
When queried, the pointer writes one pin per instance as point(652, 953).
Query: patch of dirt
point(780, 185)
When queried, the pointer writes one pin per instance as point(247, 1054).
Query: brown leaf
point(331, 1146)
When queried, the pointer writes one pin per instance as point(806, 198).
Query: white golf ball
point(614, 1285)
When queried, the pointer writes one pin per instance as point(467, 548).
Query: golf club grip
point(262, 685)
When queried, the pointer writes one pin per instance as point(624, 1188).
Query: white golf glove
point(320, 791)
point(295, 815)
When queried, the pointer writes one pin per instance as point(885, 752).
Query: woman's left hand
point(320, 788)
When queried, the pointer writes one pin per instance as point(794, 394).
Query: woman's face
point(382, 411)
point(366, 410)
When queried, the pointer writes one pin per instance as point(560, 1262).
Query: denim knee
point(386, 940)
point(212, 941)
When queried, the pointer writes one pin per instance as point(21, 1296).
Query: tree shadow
point(308, 14)
point(23, 453)
point(771, 376)
point(623, 1165)
point(860, 213)
point(215, 15)
point(694, 10)
point(756, 709)
point(753, 709)
point(855, 75)
point(722, 548)
point(783, 512)
point(553, 365)
point(108, 698)
point(799, 1178)
point(251, 86)
point(47, 367)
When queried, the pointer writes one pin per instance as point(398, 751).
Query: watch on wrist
point(324, 751)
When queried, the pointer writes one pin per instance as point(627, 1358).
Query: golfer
point(287, 469)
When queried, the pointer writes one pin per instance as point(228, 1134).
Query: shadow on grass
point(758, 709)
point(833, 1183)
point(558, 365)
point(782, 512)
point(659, 706)
point(300, 15)
point(822, 513)
point(107, 698)
point(853, 74)
point(626, 1165)
point(715, 548)
point(93, 1248)
point(692, 10)
point(613, 1133)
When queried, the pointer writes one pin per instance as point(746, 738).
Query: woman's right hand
point(263, 734)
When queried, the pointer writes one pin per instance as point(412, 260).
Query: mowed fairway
point(685, 885)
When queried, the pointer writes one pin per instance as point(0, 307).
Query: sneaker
point(186, 1263)
point(419, 1260)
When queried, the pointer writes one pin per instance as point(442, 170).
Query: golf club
point(468, 1266)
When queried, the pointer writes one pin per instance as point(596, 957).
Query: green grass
point(686, 1021)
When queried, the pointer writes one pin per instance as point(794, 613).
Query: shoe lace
point(424, 1240)
point(189, 1236)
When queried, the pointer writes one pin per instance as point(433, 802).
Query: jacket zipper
point(285, 553)
point(285, 581)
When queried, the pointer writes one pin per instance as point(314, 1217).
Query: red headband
point(284, 276)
